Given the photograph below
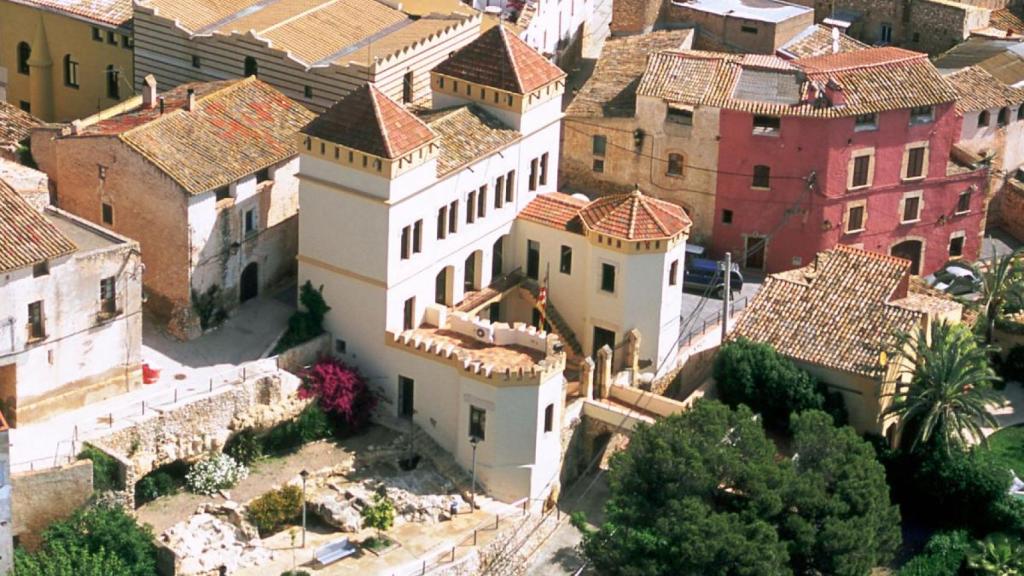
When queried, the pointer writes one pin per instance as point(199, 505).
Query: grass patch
point(376, 544)
point(1007, 448)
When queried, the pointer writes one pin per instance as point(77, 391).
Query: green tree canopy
point(105, 528)
point(755, 374)
point(706, 493)
point(62, 560)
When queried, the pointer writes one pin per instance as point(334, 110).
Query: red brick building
point(857, 148)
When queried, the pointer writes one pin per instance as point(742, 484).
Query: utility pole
point(726, 295)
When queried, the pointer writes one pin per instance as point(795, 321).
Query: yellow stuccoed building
point(65, 59)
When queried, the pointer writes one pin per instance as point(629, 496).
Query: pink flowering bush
point(341, 392)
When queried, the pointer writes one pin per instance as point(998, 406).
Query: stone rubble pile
point(216, 536)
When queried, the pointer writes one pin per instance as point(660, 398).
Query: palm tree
point(950, 388)
point(997, 555)
point(999, 283)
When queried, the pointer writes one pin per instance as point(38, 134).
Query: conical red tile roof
point(635, 216)
point(499, 59)
point(369, 121)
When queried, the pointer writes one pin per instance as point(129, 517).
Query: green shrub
point(295, 573)
point(63, 560)
point(304, 325)
point(942, 556)
point(380, 516)
point(244, 447)
point(273, 510)
point(770, 384)
point(105, 528)
point(311, 424)
point(216, 472)
point(106, 474)
point(153, 486)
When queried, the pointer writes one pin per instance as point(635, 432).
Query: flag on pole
point(542, 300)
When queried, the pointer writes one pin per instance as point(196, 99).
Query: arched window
point(251, 68)
point(24, 53)
point(983, 118)
point(70, 72)
point(1004, 116)
point(113, 79)
point(675, 164)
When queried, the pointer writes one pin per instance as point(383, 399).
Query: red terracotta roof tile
point(635, 216)
point(467, 133)
point(26, 236)
point(979, 90)
point(499, 59)
point(556, 210)
point(15, 124)
point(110, 12)
point(367, 120)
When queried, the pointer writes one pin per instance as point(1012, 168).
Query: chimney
point(161, 105)
point(191, 104)
point(835, 40)
point(149, 92)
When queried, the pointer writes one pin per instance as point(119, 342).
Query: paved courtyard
point(188, 367)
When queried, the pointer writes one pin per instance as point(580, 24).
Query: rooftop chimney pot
point(149, 92)
point(191, 104)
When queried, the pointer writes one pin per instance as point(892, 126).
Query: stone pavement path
point(559, 554)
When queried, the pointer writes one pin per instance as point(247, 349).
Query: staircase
point(574, 354)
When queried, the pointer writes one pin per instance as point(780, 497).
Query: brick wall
point(1011, 209)
point(938, 26)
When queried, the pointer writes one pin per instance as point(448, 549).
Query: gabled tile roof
point(15, 125)
point(979, 90)
point(871, 80)
point(1007, 19)
point(817, 41)
point(611, 89)
point(838, 312)
point(556, 210)
point(238, 127)
point(368, 121)
point(110, 12)
point(634, 216)
point(467, 134)
point(26, 236)
point(499, 59)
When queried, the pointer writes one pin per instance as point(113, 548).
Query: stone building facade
point(71, 327)
point(216, 216)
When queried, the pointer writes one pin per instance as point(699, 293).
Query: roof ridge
point(295, 17)
point(502, 33)
point(377, 115)
point(649, 208)
point(178, 111)
point(907, 56)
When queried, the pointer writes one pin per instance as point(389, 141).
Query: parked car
point(704, 275)
point(955, 278)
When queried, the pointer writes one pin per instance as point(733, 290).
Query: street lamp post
point(473, 440)
point(304, 475)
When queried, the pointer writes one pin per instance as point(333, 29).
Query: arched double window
point(24, 53)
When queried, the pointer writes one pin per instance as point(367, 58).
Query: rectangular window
point(510, 190)
point(417, 237)
point(533, 175)
point(40, 269)
point(682, 116)
point(915, 162)
point(307, 91)
point(477, 423)
point(250, 221)
point(111, 38)
point(762, 177)
point(598, 165)
point(549, 418)
point(442, 223)
point(97, 34)
point(481, 202)
point(921, 114)
point(499, 190)
point(956, 246)
point(748, 29)
point(340, 346)
point(963, 202)
point(127, 42)
point(70, 72)
point(767, 125)
point(726, 216)
point(453, 217)
point(408, 313)
point(197, 62)
point(565, 265)
point(673, 273)
point(861, 164)
point(608, 277)
point(599, 145)
point(866, 122)
point(470, 208)
point(107, 214)
point(36, 326)
point(911, 209)
point(406, 242)
point(855, 218)
point(262, 175)
point(532, 259)
point(544, 169)
point(108, 295)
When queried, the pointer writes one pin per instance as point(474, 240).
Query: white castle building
point(435, 233)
